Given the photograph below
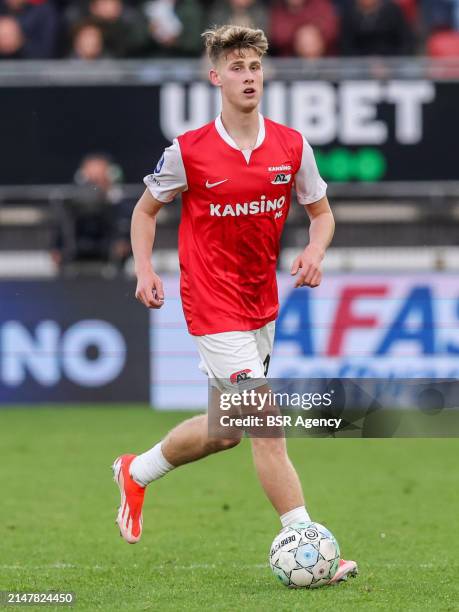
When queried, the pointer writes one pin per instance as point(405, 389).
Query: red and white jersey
point(234, 206)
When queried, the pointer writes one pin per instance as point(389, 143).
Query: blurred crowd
point(94, 224)
point(97, 29)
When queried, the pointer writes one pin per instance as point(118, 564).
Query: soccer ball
point(304, 555)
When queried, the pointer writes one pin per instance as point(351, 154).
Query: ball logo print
point(311, 534)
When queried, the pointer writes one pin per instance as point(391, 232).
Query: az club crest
point(280, 178)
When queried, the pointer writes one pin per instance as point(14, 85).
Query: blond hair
point(221, 40)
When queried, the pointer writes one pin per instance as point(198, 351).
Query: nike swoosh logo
point(210, 185)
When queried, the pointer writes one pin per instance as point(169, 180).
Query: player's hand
point(308, 265)
point(149, 289)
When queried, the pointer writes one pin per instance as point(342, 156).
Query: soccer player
point(235, 175)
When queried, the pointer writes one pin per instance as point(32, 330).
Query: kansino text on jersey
point(247, 208)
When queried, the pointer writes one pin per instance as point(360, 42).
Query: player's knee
point(220, 444)
point(230, 443)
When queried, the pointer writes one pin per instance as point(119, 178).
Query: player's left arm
point(308, 265)
point(311, 192)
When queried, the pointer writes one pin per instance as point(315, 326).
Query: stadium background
point(379, 109)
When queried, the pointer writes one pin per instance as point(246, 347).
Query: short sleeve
point(169, 177)
point(309, 185)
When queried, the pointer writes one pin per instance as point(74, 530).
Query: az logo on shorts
point(238, 377)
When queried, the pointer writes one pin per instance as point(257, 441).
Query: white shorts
point(231, 358)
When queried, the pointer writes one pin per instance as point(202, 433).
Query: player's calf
point(276, 474)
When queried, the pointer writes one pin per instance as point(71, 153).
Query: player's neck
point(242, 127)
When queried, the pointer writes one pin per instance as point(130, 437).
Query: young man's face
point(240, 76)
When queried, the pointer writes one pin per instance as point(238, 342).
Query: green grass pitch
point(392, 504)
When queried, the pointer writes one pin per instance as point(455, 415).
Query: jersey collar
point(227, 138)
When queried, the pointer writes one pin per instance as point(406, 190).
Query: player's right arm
point(167, 181)
point(149, 288)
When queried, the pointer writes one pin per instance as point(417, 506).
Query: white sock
point(297, 515)
point(150, 466)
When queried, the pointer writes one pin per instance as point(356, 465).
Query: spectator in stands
point(175, 27)
point(287, 16)
point(11, 38)
point(93, 225)
point(308, 42)
point(249, 13)
point(375, 28)
point(88, 41)
point(124, 28)
point(37, 21)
